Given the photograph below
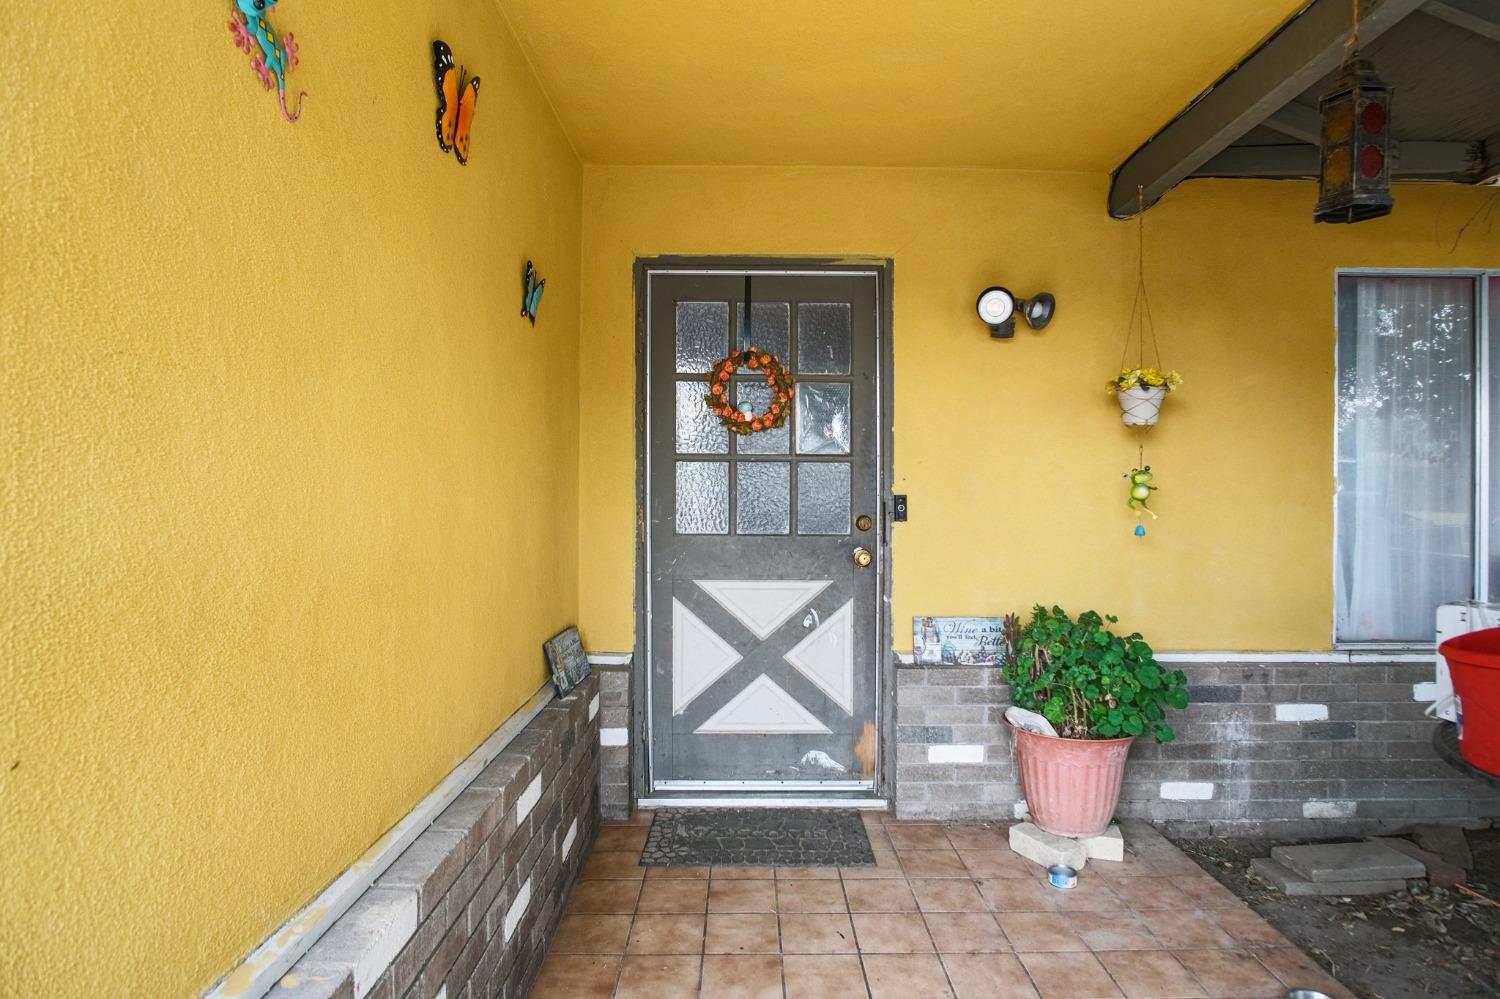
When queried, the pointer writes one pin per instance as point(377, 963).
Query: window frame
point(1484, 502)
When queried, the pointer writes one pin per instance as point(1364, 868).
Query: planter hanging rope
point(1141, 390)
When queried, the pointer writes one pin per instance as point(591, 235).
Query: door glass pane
point(1405, 453)
point(757, 395)
point(699, 431)
point(703, 497)
point(822, 419)
point(763, 497)
point(1493, 332)
point(824, 334)
point(702, 335)
point(822, 497)
point(771, 330)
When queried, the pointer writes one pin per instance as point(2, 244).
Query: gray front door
point(762, 648)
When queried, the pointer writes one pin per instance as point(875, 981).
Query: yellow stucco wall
point(289, 486)
point(1012, 453)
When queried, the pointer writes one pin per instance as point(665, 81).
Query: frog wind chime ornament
point(273, 56)
point(1140, 493)
point(1141, 390)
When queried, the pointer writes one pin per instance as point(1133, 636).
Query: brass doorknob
point(862, 557)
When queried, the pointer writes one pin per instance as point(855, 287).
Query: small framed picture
point(570, 664)
point(960, 641)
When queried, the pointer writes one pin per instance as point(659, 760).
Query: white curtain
point(1405, 454)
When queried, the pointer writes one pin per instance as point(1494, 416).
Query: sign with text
point(959, 641)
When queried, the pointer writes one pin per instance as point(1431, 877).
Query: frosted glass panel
point(757, 395)
point(771, 331)
point(822, 419)
point(822, 498)
point(763, 497)
point(702, 497)
point(1405, 424)
point(699, 431)
point(702, 335)
point(824, 335)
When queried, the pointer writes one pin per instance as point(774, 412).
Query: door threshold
point(756, 801)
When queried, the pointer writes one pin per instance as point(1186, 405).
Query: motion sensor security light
point(998, 308)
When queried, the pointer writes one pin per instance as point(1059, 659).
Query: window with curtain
point(1413, 481)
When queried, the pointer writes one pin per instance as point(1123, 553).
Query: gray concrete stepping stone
point(1439, 871)
point(1290, 883)
point(1448, 842)
point(1348, 862)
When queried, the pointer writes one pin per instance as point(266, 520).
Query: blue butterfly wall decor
point(531, 293)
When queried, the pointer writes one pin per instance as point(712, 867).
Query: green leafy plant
point(1089, 682)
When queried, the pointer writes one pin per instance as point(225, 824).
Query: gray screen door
point(762, 648)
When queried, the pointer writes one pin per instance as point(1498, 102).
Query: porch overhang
point(1259, 120)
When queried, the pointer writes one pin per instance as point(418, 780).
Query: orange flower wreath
point(783, 389)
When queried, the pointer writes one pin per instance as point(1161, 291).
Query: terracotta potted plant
point(1099, 691)
point(1141, 392)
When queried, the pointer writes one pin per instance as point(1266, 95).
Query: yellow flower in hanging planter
point(1143, 378)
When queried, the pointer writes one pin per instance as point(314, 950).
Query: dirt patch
point(1415, 944)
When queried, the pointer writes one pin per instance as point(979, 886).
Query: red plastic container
point(1474, 662)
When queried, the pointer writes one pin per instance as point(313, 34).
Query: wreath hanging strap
point(783, 389)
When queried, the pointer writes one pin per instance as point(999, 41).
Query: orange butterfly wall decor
point(457, 96)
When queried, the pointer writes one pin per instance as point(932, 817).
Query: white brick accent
point(955, 754)
point(614, 737)
point(1020, 810)
point(594, 707)
point(517, 909)
point(1427, 691)
point(1186, 790)
point(1301, 712)
point(567, 844)
point(528, 799)
point(384, 929)
point(1328, 809)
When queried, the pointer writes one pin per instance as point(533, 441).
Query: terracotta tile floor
point(948, 910)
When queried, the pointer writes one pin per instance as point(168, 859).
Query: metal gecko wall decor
point(273, 56)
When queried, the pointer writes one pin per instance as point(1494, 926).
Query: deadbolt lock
point(863, 522)
point(863, 558)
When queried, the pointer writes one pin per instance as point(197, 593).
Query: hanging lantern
point(1354, 160)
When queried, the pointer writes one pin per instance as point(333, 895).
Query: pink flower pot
point(1071, 785)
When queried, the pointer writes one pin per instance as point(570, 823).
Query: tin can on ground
point(1062, 876)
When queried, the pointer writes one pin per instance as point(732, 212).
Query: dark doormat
point(757, 837)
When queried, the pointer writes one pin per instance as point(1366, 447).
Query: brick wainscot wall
point(1288, 748)
point(468, 909)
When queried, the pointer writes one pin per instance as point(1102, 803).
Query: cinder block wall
point(472, 904)
point(1285, 748)
point(614, 734)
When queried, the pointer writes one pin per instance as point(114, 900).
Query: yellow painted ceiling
point(1024, 84)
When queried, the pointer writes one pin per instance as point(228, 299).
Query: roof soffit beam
point(1302, 52)
point(1482, 17)
point(1297, 121)
point(1411, 160)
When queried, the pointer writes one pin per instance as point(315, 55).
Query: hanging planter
point(1141, 392)
point(1141, 407)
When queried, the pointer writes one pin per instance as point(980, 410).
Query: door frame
point(882, 270)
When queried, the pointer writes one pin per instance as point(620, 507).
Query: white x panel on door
point(763, 708)
point(699, 657)
point(763, 605)
point(826, 657)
